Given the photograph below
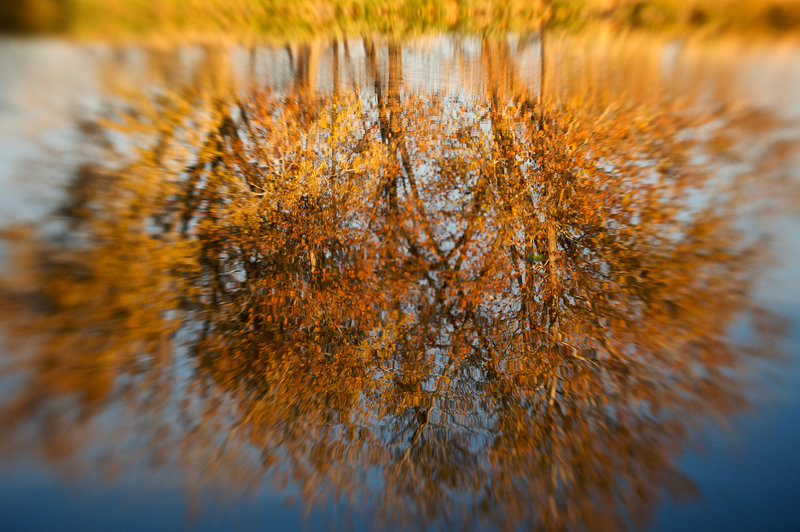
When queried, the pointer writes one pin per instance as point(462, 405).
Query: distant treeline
point(282, 19)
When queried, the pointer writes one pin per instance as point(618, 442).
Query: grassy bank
point(298, 19)
point(748, 17)
point(264, 19)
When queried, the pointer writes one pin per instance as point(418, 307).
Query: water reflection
point(500, 305)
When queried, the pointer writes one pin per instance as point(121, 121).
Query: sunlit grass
point(711, 16)
point(302, 19)
point(268, 19)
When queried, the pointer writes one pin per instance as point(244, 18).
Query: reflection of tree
point(501, 309)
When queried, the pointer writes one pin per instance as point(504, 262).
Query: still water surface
point(453, 282)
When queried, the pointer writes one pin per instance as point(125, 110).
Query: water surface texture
point(456, 282)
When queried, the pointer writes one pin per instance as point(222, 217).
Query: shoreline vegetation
point(279, 20)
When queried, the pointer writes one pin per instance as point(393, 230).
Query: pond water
point(500, 282)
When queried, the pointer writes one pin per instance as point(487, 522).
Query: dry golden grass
point(303, 19)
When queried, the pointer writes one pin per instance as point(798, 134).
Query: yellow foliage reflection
point(495, 307)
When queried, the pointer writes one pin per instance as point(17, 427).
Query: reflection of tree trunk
point(501, 86)
point(554, 278)
point(395, 79)
point(350, 75)
point(213, 74)
point(498, 66)
point(372, 72)
point(542, 71)
point(545, 6)
point(314, 53)
point(252, 59)
point(553, 254)
point(388, 105)
point(390, 112)
point(499, 80)
point(335, 50)
point(306, 70)
point(389, 187)
point(394, 106)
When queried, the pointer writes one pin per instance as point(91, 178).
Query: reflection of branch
point(426, 226)
point(416, 436)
